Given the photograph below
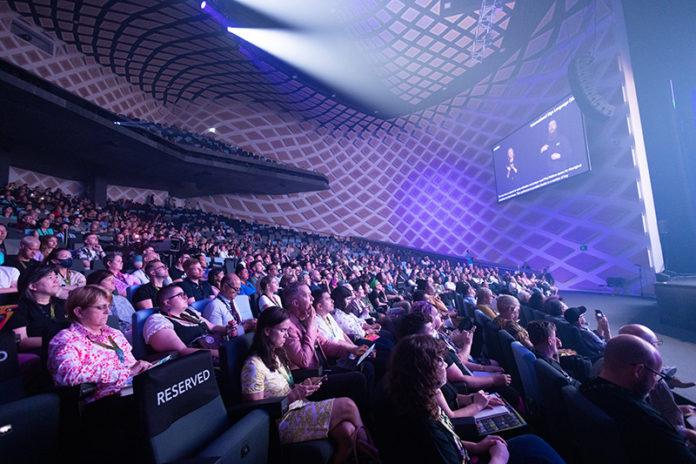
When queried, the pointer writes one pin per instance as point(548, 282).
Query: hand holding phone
point(598, 314)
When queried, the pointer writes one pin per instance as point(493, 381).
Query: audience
point(415, 427)
point(394, 277)
point(593, 341)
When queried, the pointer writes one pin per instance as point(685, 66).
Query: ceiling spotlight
point(203, 5)
point(212, 129)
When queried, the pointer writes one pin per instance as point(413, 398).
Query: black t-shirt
point(646, 436)
point(199, 292)
point(176, 274)
point(23, 266)
point(38, 318)
point(146, 292)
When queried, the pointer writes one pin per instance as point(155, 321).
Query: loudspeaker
point(586, 95)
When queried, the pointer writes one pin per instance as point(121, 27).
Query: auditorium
point(347, 231)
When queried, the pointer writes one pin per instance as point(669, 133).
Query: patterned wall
point(43, 181)
point(432, 187)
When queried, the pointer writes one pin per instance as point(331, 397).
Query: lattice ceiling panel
point(178, 52)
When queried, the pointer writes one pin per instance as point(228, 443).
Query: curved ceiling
point(418, 58)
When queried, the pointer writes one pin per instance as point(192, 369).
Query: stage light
point(203, 5)
point(325, 56)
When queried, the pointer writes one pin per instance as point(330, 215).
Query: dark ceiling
point(176, 51)
point(50, 130)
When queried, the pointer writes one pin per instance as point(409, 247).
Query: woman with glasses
point(176, 327)
point(89, 350)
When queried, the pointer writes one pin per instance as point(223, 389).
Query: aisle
point(679, 347)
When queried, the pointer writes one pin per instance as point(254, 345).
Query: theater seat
point(232, 357)
point(594, 434)
point(524, 359)
point(139, 318)
point(556, 417)
point(200, 304)
point(183, 416)
point(29, 430)
point(11, 387)
point(130, 291)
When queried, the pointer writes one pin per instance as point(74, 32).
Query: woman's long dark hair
point(413, 380)
point(261, 346)
point(339, 295)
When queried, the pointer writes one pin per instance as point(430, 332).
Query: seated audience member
point(243, 274)
point(509, 313)
point(214, 278)
point(145, 296)
point(555, 307)
point(542, 334)
point(24, 259)
point(113, 261)
point(39, 311)
point(68, 279)
point(416, 429)
point(457, 370)
point(484, 299)
point(661, 397)
point(120, 306)
point(304, 334)
point(138, 272)
point(377, 297)
point(594, 342)
point(362, 306)
point(355, 327)
point(256, 272)
point(64, 235)
point(631, 370)
point(48, 243)
point(43, 228)
point(8, 279)
point(176, 327)
point(177, 272)
point(266, 374)
point(269, 293)
point(3, 236)
point(428, 287)
point(92, 251)
point(196, 289)
point(221, 310)
point(89, 350)
point(327, 325)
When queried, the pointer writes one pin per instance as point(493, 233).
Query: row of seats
point(564, 417)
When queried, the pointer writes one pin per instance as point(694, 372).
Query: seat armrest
point(275, 407)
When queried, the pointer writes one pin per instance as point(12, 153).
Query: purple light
point(203, 5)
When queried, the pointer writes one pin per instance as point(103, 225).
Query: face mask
point(66, 263)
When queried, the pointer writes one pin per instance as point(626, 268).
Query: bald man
point(660, 397)
point(631, 370)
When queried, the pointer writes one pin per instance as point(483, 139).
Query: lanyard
point(444, 420)
point(113, 346)
point(232, 310)
point(287, 375)
point(327, 321)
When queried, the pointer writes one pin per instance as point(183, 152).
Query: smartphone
point(598, 314)
point(319, 380)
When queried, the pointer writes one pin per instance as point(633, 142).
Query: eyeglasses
point(178, 295)
point(103, 308)
point(658, 375)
